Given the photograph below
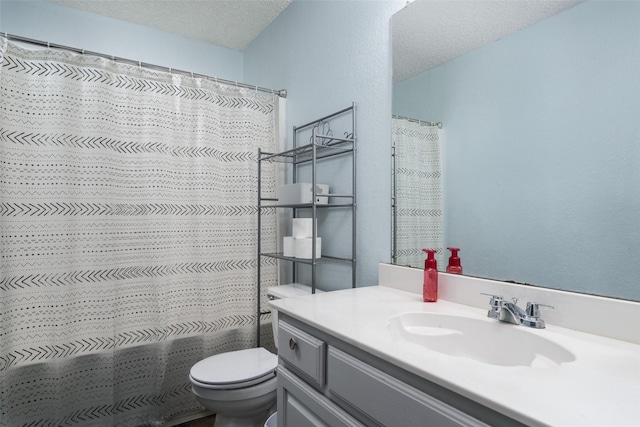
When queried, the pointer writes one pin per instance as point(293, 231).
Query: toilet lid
point(235, 367)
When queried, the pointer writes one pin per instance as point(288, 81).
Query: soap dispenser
point(430, 284)
point(454, 262)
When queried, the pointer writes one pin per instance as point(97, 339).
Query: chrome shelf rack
point(321, 145)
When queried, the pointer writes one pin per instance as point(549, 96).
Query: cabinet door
point(386, 399)
point(304, 352)
point(299, 405)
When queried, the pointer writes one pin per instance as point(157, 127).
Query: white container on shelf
point(302, 227)
point(301, 193)
point(304, 247)
point(288, 246)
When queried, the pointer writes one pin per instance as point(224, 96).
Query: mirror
point(540, 144)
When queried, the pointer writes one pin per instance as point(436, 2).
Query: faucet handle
point(496, 300)
point(496, 305)
point(533, 308)
point(533, 319)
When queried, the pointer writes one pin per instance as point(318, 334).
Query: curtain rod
point(421, 122)
point(282, 93)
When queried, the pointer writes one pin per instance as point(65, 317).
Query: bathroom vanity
point(360, 357)
point(323, 380)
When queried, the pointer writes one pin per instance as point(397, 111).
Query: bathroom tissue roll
point(302, 227)
point(288, 246)
point(304, 247)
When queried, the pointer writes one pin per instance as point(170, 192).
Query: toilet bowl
point(240, 386)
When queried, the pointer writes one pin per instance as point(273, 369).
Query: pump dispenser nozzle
point(454, 262)
point(431, 261)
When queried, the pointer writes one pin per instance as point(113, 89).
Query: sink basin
point(483, 340)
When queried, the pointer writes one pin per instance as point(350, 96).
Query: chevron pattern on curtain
point(418, 176)
point(128, 222)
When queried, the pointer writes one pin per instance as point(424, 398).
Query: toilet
point(240, 386)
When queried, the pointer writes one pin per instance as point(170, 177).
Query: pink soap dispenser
point(430, 284)
point(454, 262)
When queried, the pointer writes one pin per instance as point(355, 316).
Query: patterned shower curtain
point(418, 194)
point(128, 230)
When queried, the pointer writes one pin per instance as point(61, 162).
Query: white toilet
point(240, 386)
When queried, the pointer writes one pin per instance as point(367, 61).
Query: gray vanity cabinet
point(300, 399)
point(389, 401)
point(321, 383)
point(300, 405)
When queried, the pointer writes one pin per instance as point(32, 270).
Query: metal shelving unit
point(322, 145)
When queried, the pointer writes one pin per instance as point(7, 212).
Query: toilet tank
point(285, 291)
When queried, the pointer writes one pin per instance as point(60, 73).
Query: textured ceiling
point(428, 33)
point(228, 23)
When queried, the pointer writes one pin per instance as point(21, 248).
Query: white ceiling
point(228, 23)
point(428, 33)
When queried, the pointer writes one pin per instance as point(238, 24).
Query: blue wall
point(50, 22)
point(328, 54)
point(541, 147)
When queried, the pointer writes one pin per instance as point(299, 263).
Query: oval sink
point(483, 340)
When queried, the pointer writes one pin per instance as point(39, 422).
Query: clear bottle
point(430, 284)
point(454, 262)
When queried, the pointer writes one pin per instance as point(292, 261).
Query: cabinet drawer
point(301, 406)
point(303, 351)
point(386, 399)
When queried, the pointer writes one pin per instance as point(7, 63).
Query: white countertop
point(601, 388)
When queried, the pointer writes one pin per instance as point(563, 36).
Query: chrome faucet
point(510, 312)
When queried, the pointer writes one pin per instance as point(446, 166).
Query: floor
point(200, 422)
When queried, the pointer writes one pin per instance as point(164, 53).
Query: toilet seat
point(231, 386)
point(235, 369)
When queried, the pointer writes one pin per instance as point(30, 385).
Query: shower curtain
point(128, 225)
point(418, 192)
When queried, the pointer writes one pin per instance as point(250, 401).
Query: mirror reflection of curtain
point(418, 192)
